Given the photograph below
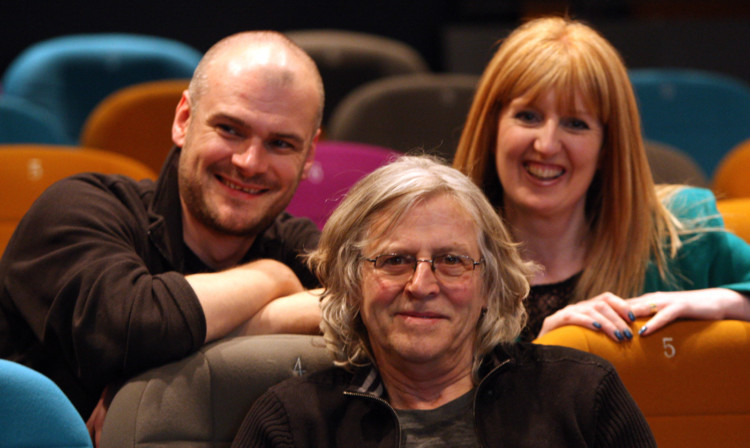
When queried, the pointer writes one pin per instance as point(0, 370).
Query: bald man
point(106, 277)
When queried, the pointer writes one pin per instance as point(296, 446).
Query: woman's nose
point(547, 140)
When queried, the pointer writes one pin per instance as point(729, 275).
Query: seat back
point(70, 75)
point(27, 170)
point(731, 179)
point(348, 59)
point(425, 111)
point(736, 214)
point(24, 122)
point(704, 114)
point(689, 379)
point(34, 412)
point(337, 166)
point(201, 400)
point(136, 121)
point(670, 165)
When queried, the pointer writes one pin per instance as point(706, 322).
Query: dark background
point(453, 35)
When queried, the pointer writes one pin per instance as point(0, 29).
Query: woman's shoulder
point(693, 203)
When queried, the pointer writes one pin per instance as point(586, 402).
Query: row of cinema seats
point(27, 169)
point(61, 81)
point(401, 112)
point(689, 378)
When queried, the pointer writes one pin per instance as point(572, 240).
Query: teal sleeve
point(707, 259)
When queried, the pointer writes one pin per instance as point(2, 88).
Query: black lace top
point(545, 300)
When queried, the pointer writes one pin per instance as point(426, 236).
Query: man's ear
point(181, 120)
point(310, 158)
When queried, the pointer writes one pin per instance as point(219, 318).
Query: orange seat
point(27, 170)
point(689, 378)
point(136, 121)
point(731, 179)
point(736, 214)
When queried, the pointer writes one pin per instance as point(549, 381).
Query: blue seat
point(34, 412)
point(23, 122)
point(70, 75)
point(704, 114)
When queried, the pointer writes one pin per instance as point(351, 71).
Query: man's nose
point(252, 160)
point(423, 282)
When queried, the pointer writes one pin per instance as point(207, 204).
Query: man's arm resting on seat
point(296, 314)
point(232, 297)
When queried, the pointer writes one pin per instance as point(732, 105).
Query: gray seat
point(425, 111)
point(348, 59)
point(200, 401)
point(670, 165)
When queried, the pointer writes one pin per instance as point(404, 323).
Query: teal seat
point(704, 114)
point(24, 122)
point(34, 412)
point(69, 75)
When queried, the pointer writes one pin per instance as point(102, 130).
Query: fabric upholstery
point(689, 379)
point(136, 121)
point(201, 400)
point(26, 170)
point(24, 122)
point(408, 112)
point(349, 59)
point(337, 166)
point(703, 113)
point(670, 165)
point(736, 214)
point(34, 412)
point(69, 75)
point(731, 179)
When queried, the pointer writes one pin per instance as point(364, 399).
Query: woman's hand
point(606, 312)
point(704, 304)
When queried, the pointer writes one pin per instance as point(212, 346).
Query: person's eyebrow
point(242, 124)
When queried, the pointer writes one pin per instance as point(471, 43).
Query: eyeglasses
point(447, 267)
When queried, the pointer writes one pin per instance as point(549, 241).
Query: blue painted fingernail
point(597, 325)
point(642, 330)
point(631, 316)
point(618, 335)
point(628, 334)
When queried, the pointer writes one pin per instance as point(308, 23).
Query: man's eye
point(395, 260)
point(450, 259)
point(227, 129)
point(282, 144)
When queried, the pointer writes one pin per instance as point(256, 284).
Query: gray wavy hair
point(392, 191)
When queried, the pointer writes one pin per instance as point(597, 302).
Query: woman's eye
point(575, 123)
point(526, 116)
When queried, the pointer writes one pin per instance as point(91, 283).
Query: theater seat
point(689, 379)
point(201, 400)
point(34, 412)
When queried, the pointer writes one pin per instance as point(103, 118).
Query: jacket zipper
point(388, 405)
point(476, 396)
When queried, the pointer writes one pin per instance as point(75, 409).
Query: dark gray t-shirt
point(450, 425)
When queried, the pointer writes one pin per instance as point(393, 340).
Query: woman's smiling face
point(546, 157)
